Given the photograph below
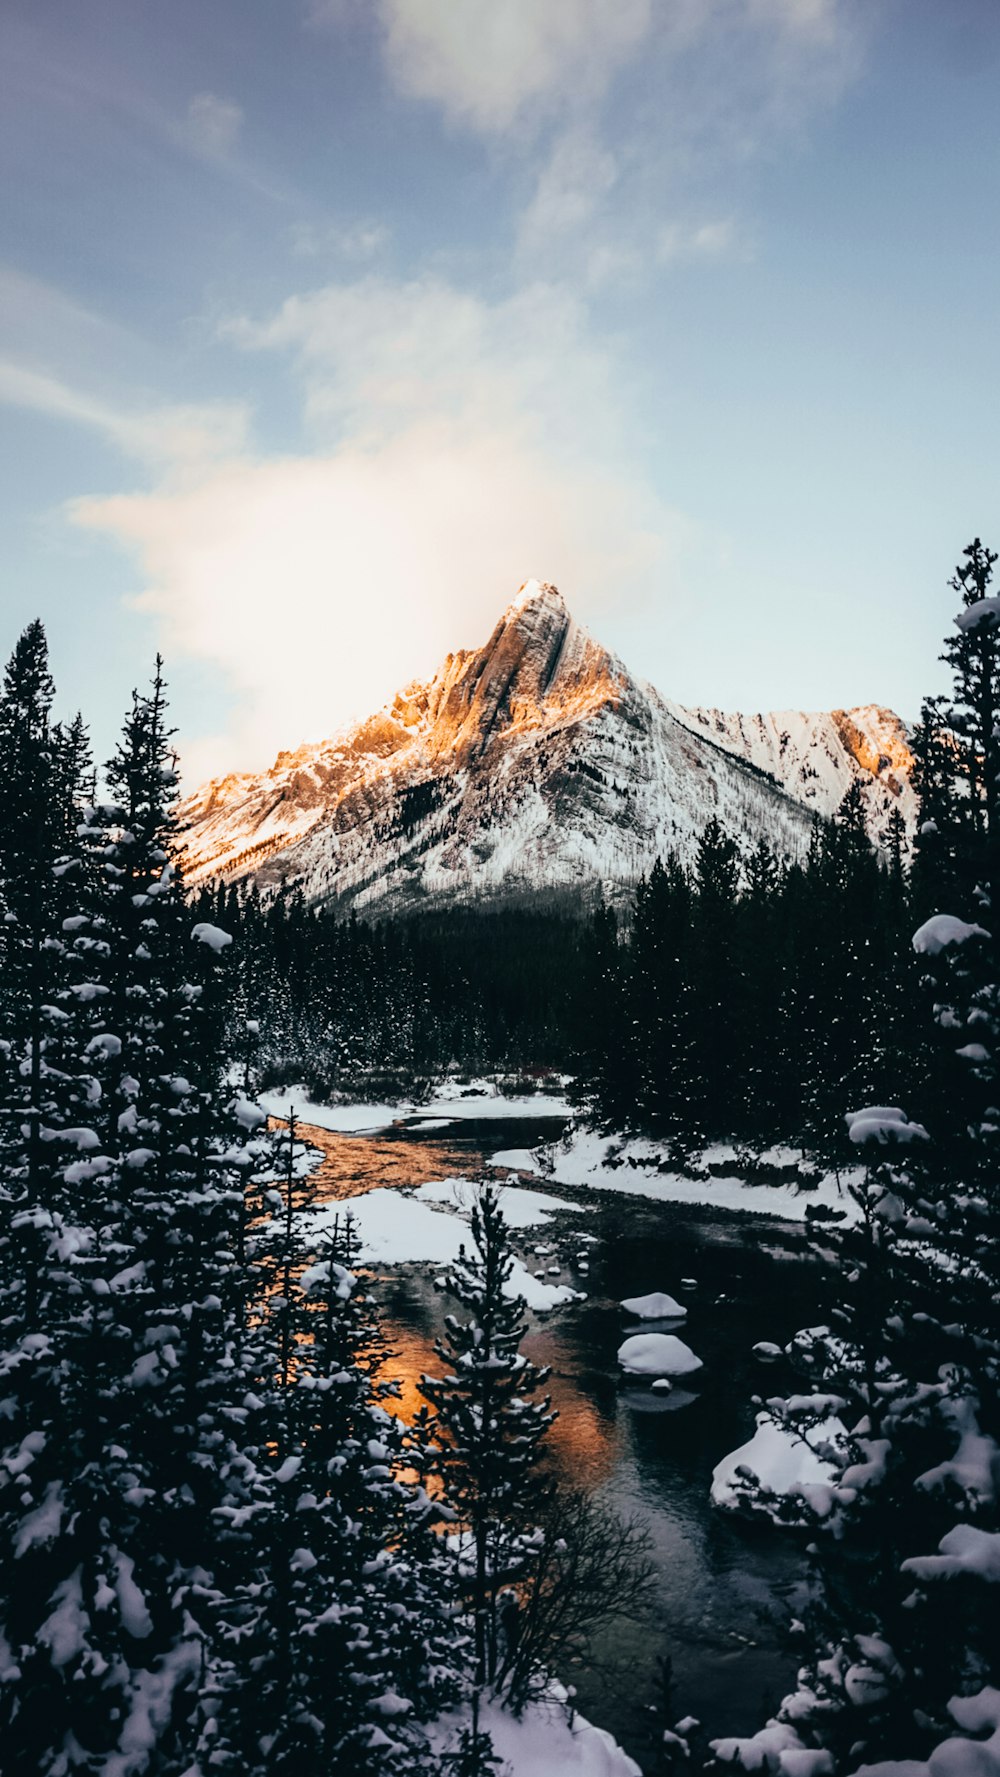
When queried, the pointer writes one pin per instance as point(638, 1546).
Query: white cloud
point(212, 125)
point(704, 240)
point(343, 240)
point(571, 188)
point(623, 185)
point(173, 435)
point(489, 62)
point(461, 447)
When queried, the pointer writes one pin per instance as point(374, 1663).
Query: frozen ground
point(583, 1159)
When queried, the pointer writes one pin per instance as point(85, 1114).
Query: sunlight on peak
point(530, 591)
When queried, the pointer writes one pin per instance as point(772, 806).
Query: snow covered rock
point(657, 1354)
point(656, 1306)
point(785, 1465)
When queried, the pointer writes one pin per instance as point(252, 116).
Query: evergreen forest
point(222, 1548)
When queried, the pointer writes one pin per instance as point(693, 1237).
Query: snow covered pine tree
point(903, 1659)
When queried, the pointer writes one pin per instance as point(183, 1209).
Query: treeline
point(352, 1006)
point(740, 998)
point(898, 1392)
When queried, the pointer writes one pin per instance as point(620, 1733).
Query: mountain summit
point(536, 763)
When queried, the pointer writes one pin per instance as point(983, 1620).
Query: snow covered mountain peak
point(535, 763)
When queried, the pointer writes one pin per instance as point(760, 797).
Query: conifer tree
point(489, 1428)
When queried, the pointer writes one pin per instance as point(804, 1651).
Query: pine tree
point(489, 1429)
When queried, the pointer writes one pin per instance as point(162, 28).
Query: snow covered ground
point(583, 1159)
point(449, 1103)
point(543, 1743)
point(429, 1225)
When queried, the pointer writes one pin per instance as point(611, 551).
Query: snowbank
point(786, 1465)
point(657, 1354)
point(521, 1208)
point(398, 1227)
point(634, 1168)
point(543, 1744)
point(341, 1119)
point(478, 1101)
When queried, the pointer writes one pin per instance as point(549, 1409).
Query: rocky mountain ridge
point(537, 763)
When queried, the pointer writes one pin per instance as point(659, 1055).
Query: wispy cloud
point(176, 436)
point(353, 241)
point(492, 66)
point(211, 125)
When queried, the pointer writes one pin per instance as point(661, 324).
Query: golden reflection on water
point(353, 1164)
point(584, 1443)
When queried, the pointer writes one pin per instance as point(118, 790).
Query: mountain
point(534, 764)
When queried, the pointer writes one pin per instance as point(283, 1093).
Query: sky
point(324, 324)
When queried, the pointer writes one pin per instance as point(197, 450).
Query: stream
point(723, 1587)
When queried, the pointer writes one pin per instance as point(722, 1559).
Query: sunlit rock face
point(536, 764)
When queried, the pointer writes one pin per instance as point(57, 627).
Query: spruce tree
point(489, 1430)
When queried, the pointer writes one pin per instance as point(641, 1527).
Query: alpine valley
point(537, 765)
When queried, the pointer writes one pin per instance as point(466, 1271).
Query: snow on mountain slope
point(536, 763)
point(816, 757)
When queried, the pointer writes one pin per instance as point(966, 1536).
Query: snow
point(215, 938)
point(883, 1124)
point(785, 1464)
point(543, 1743)
point(584, 1159)
point(513, 818)
point(975, 1465)
point(135, 1617)
point(480, 1100)
point(966, 1549)
point(398, 1227)
point(340, 1119)
point(657, 1354)
point(981, 611)
point(656, 1306)
point(248, 1115)
point(521, 1208)
point(955, 1757)
point(941, 930)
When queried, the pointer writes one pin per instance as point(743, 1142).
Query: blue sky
point(326, 323)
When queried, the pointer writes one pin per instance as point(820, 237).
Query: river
point(723, 1588)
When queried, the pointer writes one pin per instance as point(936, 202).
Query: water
point(723, 1588)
